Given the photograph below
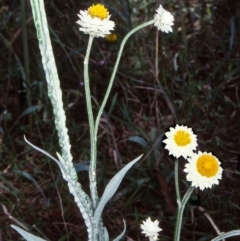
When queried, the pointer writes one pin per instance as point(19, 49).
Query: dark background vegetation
point(196, 83)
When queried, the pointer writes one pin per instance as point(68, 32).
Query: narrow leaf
point(81, 198)
point(227, 235)
point(111, 188)
point(82, 166)
point(139, 140)
point(41, 150)
point(27, 235)
point(31, 178)
point(25, 112)
point(122, 234)
point(106, 236)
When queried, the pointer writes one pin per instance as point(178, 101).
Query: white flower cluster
point(95, 21)
point(163, 20)
point(150, 229)
point(203, 169)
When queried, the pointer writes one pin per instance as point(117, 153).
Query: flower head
point(112, 37)
point(95, 21)
point(203, 170)
point(150, 229)
point(163, 20)
point(180, 141)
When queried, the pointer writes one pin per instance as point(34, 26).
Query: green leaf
point(122, 234)
point(106, 236)
point(139, 140)
point(29, 110)
point(227, 235)
point(111, 188)
point(81, 198)
point(81, 166)
point(31, 178)
point(27, 235)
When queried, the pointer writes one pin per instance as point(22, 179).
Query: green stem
point(181, 206)
point(92, 168)
point(181, 203)
point(151, 239)
point(115, 71)
point(176, 182)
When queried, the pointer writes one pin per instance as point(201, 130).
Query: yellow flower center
point(207, 165)
point(111, 37)
point(99, 11)
point(182, 138)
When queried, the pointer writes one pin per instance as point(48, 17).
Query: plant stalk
point(115, 71)
point(93, 140)
point(181, 206)
point(181, 203)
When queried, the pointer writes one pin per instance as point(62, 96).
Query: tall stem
point(176, 182)
point(181, 204)
point(115, 71)
point(93, 140)
point(181, 207)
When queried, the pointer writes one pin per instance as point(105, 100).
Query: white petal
point(94, 26)
point(163, 20)
point(196, 178)
point(174, 149)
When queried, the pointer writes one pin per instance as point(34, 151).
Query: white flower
point(95, 21)
point(180, 141)
point(203, 170)
point(163, 20)
point(150, 229)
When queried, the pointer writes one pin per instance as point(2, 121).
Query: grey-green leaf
point(27, 235)
point(81, 198)
point(227, 235)
point(111, 188)
point(139, 140)
point(122, 234)
point(106, 236)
